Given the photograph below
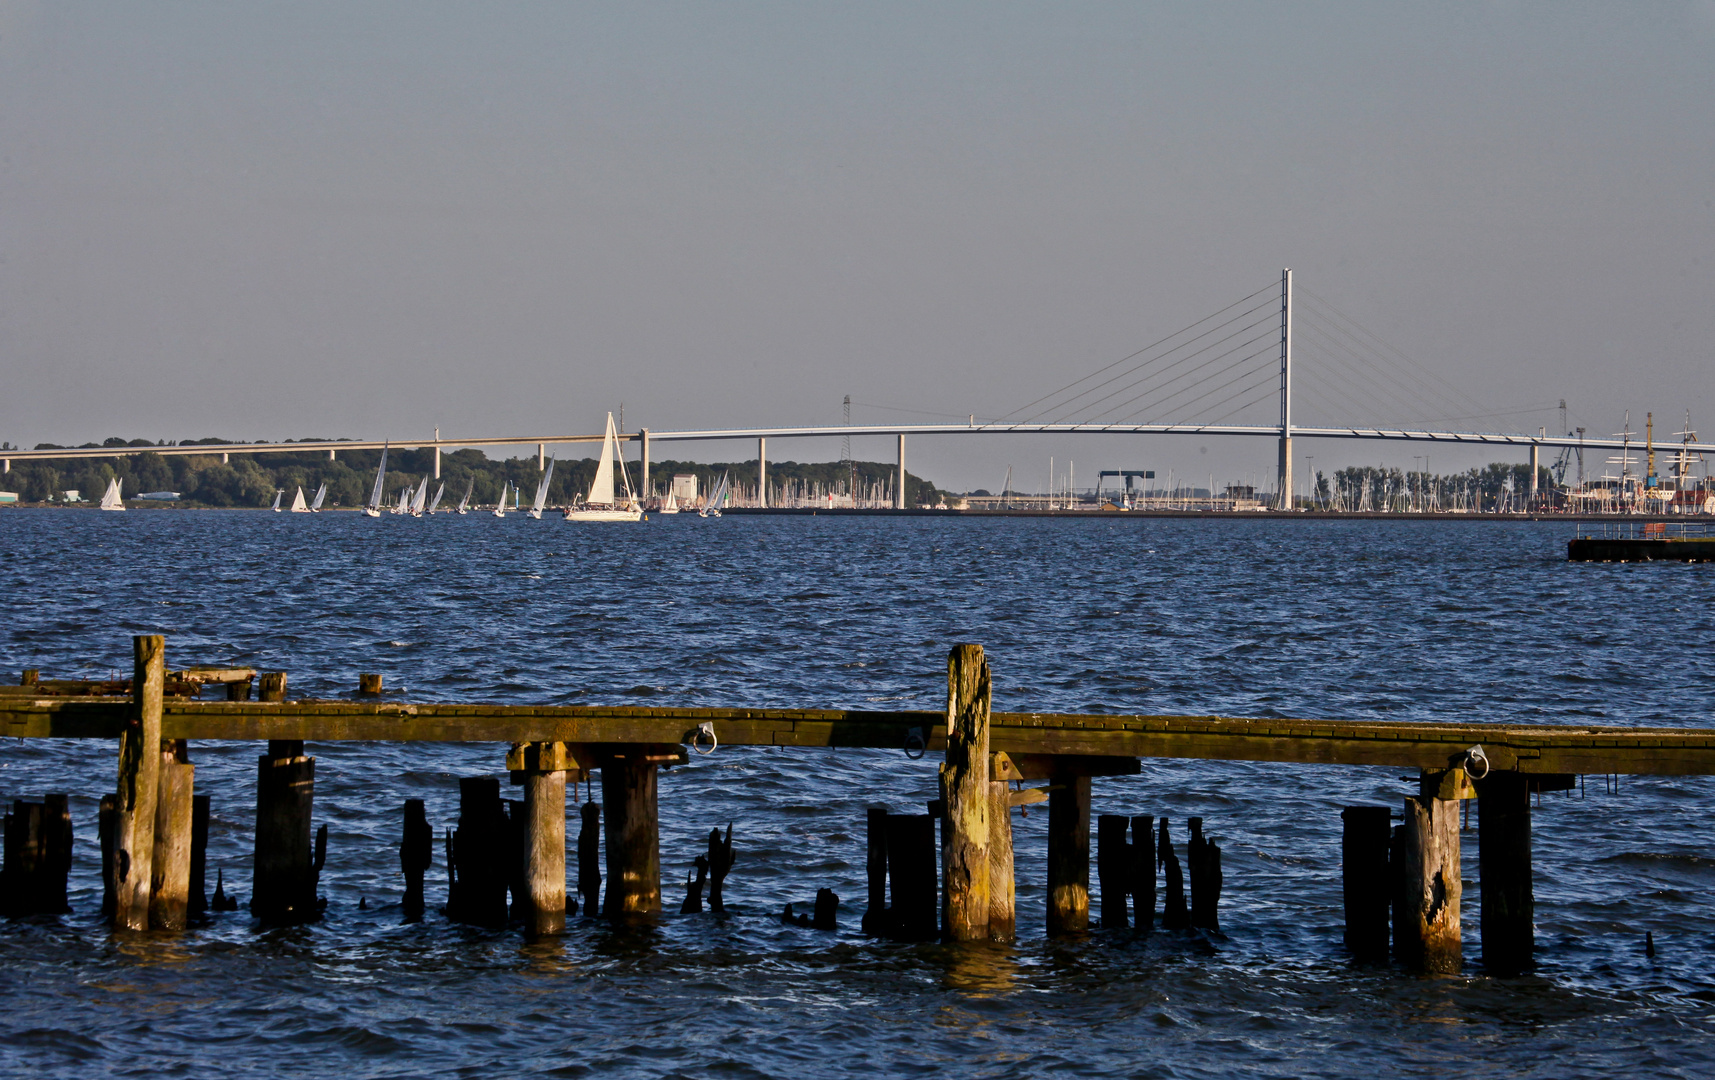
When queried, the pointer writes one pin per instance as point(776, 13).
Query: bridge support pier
point(899, 488)
point(762, 473)
point(1535, 467)
point(644, 494)
point(1503, 850)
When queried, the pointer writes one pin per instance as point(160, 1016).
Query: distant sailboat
point(436, 501)
point(374, 507)
point(110, 498)
point(321, 493)
point(601, 504)
point(542, 491)
point(417, 500)
point(298, 504)
point(717, 499)
point(500, 507)
point(669, 505)
point(464, 503)
point(277, 493)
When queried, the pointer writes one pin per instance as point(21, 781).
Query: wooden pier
point(959, 888)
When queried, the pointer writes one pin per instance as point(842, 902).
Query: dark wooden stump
point(589, 857)
point(107, 829)
point(197, 908)
point(369, 685)
point(1113, 869)
point(1143, 871)
point(827, 904)
point(23, 859)
point(1174, 915)
point(283, 886)
point(720, 858)
point(628, 795)
point(1508, 926)
point(239, 690)
point(1204, 859)
point(1366, 879)
point(694, 886)
point(875, 868)
point(1069, 856)
point(416, 855)
point(477, 862)
point(271, 686)
point(911, 862)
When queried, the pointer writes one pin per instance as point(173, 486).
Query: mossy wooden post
point(1003, 888)
point(369, 684)
point(271, 686)
point(1503, 854)
point(1426, 920)
point(139, 783)
point(283, 888)
point(544, 847)
point(633, 839)
point(1143, 871)
point(965, 786)
point(170, 868)
point(1113, 868)
point(1069, 856)
point(1364, 873)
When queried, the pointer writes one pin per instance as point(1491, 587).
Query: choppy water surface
point(1344, 620)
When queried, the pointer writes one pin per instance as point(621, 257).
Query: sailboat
point(436, 501)
point(717, 499)
point(542, 491)
point(464, 503)
point(404, 502)
point(500, 507)
point(299, 506)
point(417, 500)
point(321, 493)
point(374, 507)
point(669, 505)
point(601, 505)
point(110, 497)
point(277, 493)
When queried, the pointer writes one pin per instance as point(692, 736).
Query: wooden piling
point(633, 841)
point(545, 852)
point(1113, 869)
point(965, 793)
point(23, 859)
point(30, 677)
point(911, 866)
point(416, 855)
point(369, 684)
point(589, 857)
point(719, 859)
point(52, 896)
point(1069, 856)
point(477, 862)
point(1203, 859)
point(271, 686)
point(827, 907)
point(1365, 876)
point(875, 870)
point(139, 782)
point(283, 885)
point(170, 867)
point(1143, 872)
point(239, 690)
point(1426, 918)
point(1174, 915)
point(1003, 887)
point(107, 829)
point(1503, 855)
point(198, 893)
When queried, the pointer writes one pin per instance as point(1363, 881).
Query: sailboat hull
point(604, 515)
point(370, 511)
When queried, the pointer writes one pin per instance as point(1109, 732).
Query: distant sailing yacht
point(374, 507)
point(712, 508)
point(416, 508)
point(299, 506)
point(110, 497)
point(542, 491)
point(277, 493)
point(436, 501)
point(600, 505)
point(669, 505)
point(321, 493)
point(464, 503)
point(500, 507)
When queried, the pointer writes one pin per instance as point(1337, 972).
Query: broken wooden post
point(239, 689)
point(139, 782)
point(23, 859)
point(1204, 861)
point(1003, 888)
point(827, 905)
point(200, 807)
point(720, 864)
point(628, 793)
point(369, 684)
point(965, 794)
point(477, 862)
point(31, 677)
point(52, 897)
point(271, 686)
point(589, 858)
point(544, 839)
point(1113, 868)
point(107, 829)
point(875, 870)
point(1174, 915)
point(170, 867)
point(283, 883)
point(1069, 856)
point(1143, 871)
point(416, 855)
point(1508, 925)
point(1426, 920)
point(694, 886)
point(1364, 875)
point(911, 862)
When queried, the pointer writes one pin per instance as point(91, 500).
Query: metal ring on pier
point(1472, 756)
point(916, 735)
point(706, 728)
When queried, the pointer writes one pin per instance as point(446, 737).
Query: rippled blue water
point(1396, 620)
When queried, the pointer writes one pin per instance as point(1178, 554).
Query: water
point(1461, 621)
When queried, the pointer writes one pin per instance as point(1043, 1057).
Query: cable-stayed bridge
point(1206, 379)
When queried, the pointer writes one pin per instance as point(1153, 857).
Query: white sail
point(436, 501)
point(542, 491)
point(601, 491)
point(321, 493)
point(277, 493)
point(669, 505)
point(110, 498)
point(417, 499)
point(298, 504)
point(500, 507)
point(464, 503)
point(374, 507)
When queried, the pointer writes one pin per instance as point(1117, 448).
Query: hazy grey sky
point(295, 219)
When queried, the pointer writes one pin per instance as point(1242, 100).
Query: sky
point(267, 221)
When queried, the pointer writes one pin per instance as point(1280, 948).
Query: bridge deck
point(1532, 749)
